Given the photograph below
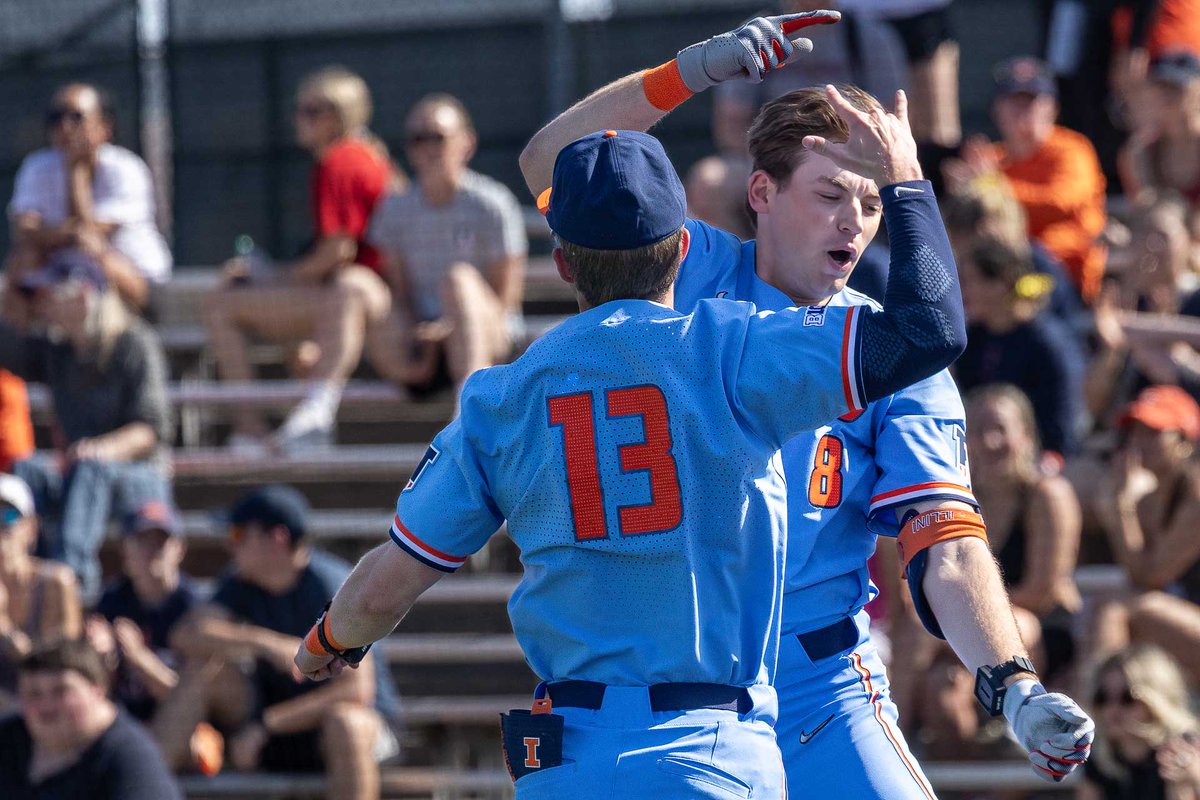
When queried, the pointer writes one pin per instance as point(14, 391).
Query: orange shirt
point(1061, 187)
point(16, 431)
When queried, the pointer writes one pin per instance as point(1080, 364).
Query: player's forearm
point(963, 586)
point(379, 592)
point(621, 104)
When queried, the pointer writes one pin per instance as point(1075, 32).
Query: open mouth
point(840, 257)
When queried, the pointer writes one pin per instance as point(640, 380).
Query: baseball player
point(633, 453)
point(898, 468)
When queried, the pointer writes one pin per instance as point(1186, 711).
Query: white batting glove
point(1051, 727)
point(749, 52)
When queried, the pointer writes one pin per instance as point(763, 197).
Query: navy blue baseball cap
point(154, 515)
point(270, 506)
point(1025, 75)
point(614, 190)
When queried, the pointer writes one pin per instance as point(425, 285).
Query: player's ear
point(564, 269)
point(761, 191)
point(685, 242)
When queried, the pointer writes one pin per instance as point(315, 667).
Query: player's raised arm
point(638, 101)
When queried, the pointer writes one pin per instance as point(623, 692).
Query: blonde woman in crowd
point(1034, 521)
point(1146, 746)
point(331, 296)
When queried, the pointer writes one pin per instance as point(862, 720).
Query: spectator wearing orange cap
point(1150, 509)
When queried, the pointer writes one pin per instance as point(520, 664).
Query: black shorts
point(441, 379)
point(924, 33)
point(293, 752)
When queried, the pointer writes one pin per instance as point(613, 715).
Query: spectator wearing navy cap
point(262, 606)
point(107, 377)
point(136, 613)
point(1163, 151)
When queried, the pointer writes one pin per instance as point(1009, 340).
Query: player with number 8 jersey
point(829, 164)
point(634, 453)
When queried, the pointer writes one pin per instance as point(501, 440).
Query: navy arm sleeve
point(921, 330)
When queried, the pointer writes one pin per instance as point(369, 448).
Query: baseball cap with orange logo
point(614, 190)
point(1165, 408)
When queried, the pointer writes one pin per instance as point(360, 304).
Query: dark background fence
point(231, 68)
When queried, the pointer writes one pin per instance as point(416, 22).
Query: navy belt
point(830, 640)
point(663, 696)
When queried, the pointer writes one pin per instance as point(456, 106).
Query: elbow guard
point(918, 533)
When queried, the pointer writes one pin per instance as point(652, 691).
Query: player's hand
point(1053, 729)
point(880, 146)
point(749, 52)
point(311, 667)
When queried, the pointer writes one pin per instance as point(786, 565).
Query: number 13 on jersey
point(575, 414)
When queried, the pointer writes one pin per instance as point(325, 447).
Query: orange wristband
point(664, 86)
point(313, 644)
point(938, 525)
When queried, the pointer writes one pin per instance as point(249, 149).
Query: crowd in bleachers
point(1081, 284)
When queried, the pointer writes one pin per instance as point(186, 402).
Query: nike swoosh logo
point(805, 738)
point(722, 294)
point(909, 190)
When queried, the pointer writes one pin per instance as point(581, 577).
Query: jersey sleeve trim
point(922, 491)
point(422, 552)
point(850, 377)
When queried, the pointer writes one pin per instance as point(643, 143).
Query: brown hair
point(644, 273)
point(74, 655)
point(776, 136)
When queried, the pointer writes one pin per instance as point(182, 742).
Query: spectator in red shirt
point(335, 292)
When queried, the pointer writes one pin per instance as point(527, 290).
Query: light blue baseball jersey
point(844, 479)
point(633, 451)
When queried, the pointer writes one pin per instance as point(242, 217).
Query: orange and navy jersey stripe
point(850, 374)
point(429, 556)
point(932, 490)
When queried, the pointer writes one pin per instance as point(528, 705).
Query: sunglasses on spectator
point(1125, 697)
point(313, 110)
point(55, 116)
point(9, 516)
point(425, 137)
